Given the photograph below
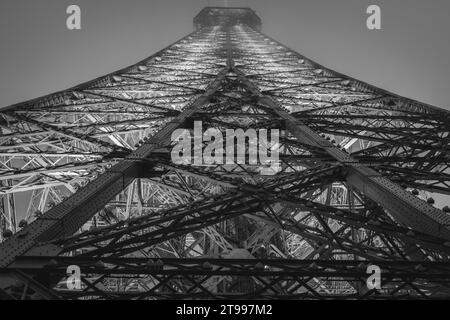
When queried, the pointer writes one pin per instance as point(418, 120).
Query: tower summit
point(356, 168)
point(213, 16)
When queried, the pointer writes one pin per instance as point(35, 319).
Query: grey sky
point(409, 56)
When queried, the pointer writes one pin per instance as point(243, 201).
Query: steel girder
point(140, 278)
point(109, 144)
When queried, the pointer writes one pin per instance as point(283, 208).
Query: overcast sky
point(409, 56)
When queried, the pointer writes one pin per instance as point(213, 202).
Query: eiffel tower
point(358, 168)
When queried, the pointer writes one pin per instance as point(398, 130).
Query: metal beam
point(406, 208)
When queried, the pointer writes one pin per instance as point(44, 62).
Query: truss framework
point(356, 163)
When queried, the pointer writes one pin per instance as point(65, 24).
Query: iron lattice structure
point(93, 161)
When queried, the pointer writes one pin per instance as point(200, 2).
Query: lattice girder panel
point(344, 148)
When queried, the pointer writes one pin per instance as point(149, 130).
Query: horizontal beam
point(265, 278)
